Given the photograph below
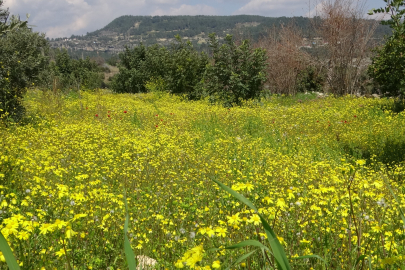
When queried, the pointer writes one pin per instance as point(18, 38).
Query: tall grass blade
point(311, 256)
point(359, 259)
point(8, 254)
point(129, 253)
point(242, 258)
point(248, 243)
point(278, 251)
point(369, 263)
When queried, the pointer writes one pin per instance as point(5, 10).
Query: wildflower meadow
point(326, 173)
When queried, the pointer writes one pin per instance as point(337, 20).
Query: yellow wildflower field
point(317, 170)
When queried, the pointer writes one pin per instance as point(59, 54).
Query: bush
point(77, 74)
point(387, 68)
point(237, 73)
point(23, 56)
point(179, 68)
point(185, 68)
point(310, 80)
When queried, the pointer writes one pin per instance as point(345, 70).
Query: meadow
point(319, 170)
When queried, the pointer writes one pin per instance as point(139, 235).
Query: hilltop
point(131, 30)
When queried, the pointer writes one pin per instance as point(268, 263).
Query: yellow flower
point(60, 223)
point(221, 231)
point(216, 264)
point(45, 228)
point(10, 228)
point(3, 203)
point(281, 203)
point(70, 233)
point(304, 241)
point(249, 186)
point(60, 253)
point(234, 219)
point(23, 235)
point(255, 219)
point(193, 256)
point(179, 264)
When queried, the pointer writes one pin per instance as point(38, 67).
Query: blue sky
point(60, 18)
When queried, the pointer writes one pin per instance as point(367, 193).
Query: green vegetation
point(23, 58)
point(179, 68)
point(101, 180)
point(236, 73)
point(77, 74)
point(388, 65)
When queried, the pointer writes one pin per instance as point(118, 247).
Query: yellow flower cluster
point(316, 170)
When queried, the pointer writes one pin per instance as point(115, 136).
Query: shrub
point(237, 73)
point(387, 68)
point(133, 73)
point(185, 68)
point(180, 67)
point(310, 79)
point(22, 59)
point(77, 74)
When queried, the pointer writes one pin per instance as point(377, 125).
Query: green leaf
point(247, 243)
point(278, 251)
point(311, 256)
point(359, 259)
point(129, 253)
point(8, 254)
point(242, 258)
point(369, 263)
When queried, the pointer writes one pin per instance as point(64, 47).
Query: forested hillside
point(132, 30)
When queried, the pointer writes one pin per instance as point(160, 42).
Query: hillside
point(131, 30)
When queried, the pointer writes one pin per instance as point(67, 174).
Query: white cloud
point(274, 8)
point(186, 10)
point(60, 18)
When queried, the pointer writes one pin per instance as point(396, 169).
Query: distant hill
point(131, 30)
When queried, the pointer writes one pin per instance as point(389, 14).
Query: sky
point(63, 18)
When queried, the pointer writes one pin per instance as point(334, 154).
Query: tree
point(77, 74)
point(388, 66)
point(14, 24)
point(237, 73)
point(23, 56)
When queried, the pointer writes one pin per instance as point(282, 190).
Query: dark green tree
point(184, 68)
point(237, 73)
point(77, 74)
point(388, 66)
point(23, 57)
point(179, 68)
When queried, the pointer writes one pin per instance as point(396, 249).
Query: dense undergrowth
point(317, 169)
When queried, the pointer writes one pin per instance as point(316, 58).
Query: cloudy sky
point(62, 18)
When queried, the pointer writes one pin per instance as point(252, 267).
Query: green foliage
point(184, 68)
point(77, 74)
point(14, 24)
point(388, 66)
point(133, 73)
point(156, 85)
point(178, 68)
point(237, 73)
point(113, 60)
point(310, 80)
point(8, 254)
point(23, 57)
